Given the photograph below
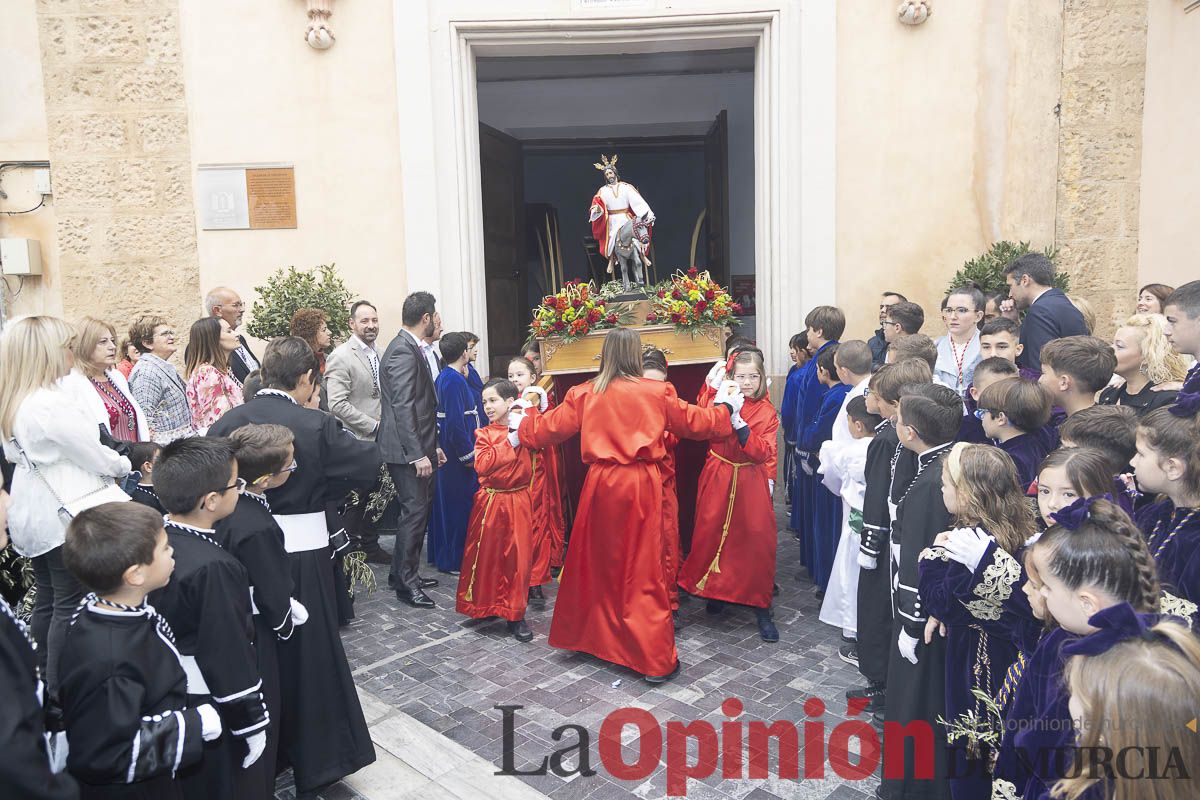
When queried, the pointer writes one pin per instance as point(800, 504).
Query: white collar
point(185, 526)
point(277, 393)
point(359, 344)
point(1039, 297)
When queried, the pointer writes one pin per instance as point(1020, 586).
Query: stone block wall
point(1100, 152)
point(119, 153)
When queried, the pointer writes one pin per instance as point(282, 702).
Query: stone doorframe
point(794, 143)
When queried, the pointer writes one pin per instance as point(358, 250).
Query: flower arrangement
point(572, 312)
point(691, 301)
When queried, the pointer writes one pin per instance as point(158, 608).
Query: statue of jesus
point(614, 204)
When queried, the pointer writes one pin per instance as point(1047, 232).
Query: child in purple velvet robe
point(1012, 412)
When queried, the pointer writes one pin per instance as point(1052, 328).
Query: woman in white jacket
point(99, 386)
point(55, 444)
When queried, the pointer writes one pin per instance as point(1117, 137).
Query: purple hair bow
point(1187, 404)
point(1074, 515)
point(1116, 624)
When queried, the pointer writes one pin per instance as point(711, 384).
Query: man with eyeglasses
point(225, 303)
point(878, 343)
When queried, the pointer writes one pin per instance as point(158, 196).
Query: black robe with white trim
point(125, 705)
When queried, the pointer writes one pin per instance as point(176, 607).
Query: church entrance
point(681, 126)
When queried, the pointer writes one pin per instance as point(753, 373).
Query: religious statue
point(622, 223)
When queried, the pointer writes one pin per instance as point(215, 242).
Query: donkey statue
point(629, 256)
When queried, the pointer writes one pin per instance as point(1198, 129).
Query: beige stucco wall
point(947, 141)
point(1169, 249)
point(258, 93)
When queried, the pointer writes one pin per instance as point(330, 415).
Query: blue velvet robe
point(819, 542)
point(808, 402)
point(456, 482)
point(1027, 451)
point(476, 384)
point(787, 420)
point(1176, 556)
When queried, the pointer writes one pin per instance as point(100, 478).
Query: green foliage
point(290, 289)
point(987, 270)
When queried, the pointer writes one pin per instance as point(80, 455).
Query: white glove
point(730, 395)
point(520, 403)
point(541, 393)
point(770, 487)
point(256, 743)
point(299, 612)
point(735, 419)
point(515, 415)
point(967, 546)
point(716, 375)
point(210, 722)
point(867, 562)
point(908, 647)
point(514, 438)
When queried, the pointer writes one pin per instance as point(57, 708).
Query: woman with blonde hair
point(211, 388)
point(1145, 359)
point(61, 467)
point(613, 600)
point(100, 387)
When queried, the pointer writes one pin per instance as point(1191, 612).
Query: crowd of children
point(1021, 551)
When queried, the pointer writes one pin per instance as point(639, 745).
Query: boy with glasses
point(207, 604)
point(1012, 412)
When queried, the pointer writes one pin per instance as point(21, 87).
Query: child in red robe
point(734, 538)
point(495, 574)
point(654, 367)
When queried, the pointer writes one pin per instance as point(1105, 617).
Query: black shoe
point(868, 691)
point(453, 572)
point(775, 589)
point(426, 583)
point(377, 556)
point(849, 639)
point(714, 607)
point(417, 599)
point(535, 593)
point(766, 627)
point(675, 620)
point(820, 593)
point(656, 679)
point(849, 654)
point(520, 630)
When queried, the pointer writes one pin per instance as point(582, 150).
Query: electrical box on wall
point(21, 256)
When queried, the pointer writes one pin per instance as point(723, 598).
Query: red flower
point(693, 272)
point(548, 301)
point(561, 303)
point(710, 295)
point(583, 292)
point(651, 317)
point(559, 325)
point(593, 315)
point(662, 293)
point(676, 295)
point(737, 308)
point(611, 319)
point(676, 318)
point(700, 306)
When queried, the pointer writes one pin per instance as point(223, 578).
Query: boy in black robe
point(207, 603)
point(25, 766)
point(123, 689)
point(888, 471)
point(266, 459)
point(323, 734)
point(143, 455)
point(928, 420)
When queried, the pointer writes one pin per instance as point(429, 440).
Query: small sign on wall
point(250, 197)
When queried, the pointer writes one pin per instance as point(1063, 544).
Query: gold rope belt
point(715, 566)
point(491, 493)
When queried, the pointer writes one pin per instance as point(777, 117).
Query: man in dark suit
point(225, 303)
point(407, 440)
point(1049, 314)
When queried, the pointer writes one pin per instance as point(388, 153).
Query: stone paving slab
point(439, 670)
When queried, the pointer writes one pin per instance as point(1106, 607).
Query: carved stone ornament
point(914, 12)
point(319, 35)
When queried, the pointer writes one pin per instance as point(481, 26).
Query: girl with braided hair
point(1091, 560)
point(1137, 693)
point(1168, 462)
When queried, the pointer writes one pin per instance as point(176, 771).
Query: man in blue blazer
point(1049, 314)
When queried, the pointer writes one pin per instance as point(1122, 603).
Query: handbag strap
point(33, 467)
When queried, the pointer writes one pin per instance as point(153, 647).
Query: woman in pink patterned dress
point(211, 388)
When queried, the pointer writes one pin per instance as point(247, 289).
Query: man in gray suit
point(352, 388)
point(407, 438)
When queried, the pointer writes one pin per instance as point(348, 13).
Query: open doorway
point(682, 125)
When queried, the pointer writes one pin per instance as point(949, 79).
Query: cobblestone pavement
point(449, 673)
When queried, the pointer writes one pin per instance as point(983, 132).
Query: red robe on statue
point(613, 600)
point(734, 537)
point(496, 560)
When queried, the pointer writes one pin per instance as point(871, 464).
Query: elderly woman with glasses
point(156, 383)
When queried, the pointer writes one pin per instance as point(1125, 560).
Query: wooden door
point(502, 180)
point(716, 187)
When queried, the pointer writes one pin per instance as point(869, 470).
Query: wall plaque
point(246, 197)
